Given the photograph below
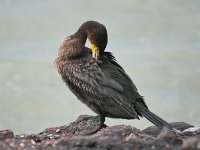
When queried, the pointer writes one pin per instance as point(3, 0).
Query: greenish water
point(156, 41)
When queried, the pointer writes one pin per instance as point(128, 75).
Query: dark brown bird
point(97, 80)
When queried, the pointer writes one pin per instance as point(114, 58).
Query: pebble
point(33, 142)
point(58, 131)
point(22, 135)
point(56, 136)
point(49, 135)
point(21, 145)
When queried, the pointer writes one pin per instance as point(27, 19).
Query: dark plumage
point(95, 77)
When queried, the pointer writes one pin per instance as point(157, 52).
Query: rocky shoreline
point(73, 136)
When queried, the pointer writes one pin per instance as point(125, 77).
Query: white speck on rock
point(192, 129)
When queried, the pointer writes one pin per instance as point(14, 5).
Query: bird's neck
point(73, 45)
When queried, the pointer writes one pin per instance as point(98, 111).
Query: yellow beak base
point(95, 51)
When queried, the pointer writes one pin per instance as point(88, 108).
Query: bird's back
point(113, 70)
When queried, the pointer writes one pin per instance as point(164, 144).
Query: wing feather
point(104, 92)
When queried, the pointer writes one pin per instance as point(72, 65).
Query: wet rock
point(73, 136)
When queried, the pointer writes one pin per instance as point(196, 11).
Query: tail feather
point(159, 122)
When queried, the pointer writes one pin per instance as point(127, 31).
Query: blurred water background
point(156, 41)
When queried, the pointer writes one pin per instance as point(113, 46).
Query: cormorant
point(96, 78)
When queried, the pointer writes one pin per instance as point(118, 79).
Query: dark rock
point(154, 131)
point(73, 136)
point(181, 125)
point(81, 126)
point(6, 134)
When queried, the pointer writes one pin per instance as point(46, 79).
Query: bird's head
point(97, 35)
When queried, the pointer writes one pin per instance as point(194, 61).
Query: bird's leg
point(102, 120)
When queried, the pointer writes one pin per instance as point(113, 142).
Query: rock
point(119, 131)
point(154, 131)
point(6, 134)
point(165, 132)
point(73, 136)
point(81, 126)
point(191, 143)
point(192, 131)
point(181, 125)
